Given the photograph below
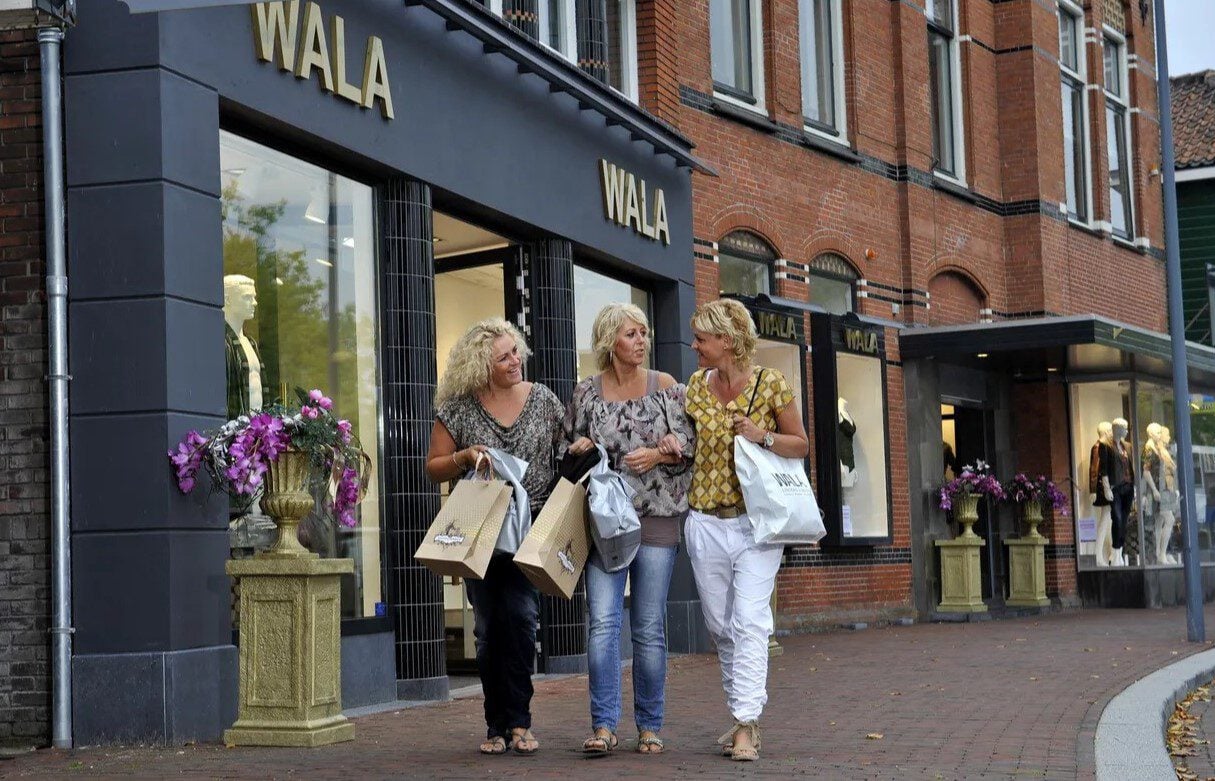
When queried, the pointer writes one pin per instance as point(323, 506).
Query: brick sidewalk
point(1017, 698)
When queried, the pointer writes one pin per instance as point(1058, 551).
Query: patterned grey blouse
point(534, 436)
point(624, 426)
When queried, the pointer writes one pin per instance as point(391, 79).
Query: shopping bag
point(615, 527)
point(519, 517)
point(461, 540)
point(780, 502)
point(553, 554)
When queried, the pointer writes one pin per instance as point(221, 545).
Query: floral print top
point(623, 426)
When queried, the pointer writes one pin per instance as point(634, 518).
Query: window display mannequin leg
point(1164, 531)
point(1104, 543)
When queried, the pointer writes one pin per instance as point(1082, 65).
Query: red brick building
point(991, 164)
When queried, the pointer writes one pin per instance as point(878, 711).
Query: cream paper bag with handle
point(460, 541)
point(553, 553)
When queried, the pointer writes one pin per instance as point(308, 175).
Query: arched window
point(956, 300)
point(746, 264)
point(833, 283)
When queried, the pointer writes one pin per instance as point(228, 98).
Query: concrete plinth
point(961, 585)
point(1027, 572)
point(290, 652)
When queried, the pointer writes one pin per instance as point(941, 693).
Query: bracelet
point(456, 461)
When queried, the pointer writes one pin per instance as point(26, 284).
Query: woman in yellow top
point(728, 397)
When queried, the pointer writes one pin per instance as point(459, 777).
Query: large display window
point(592, 292)
point(301, 312)
point(851, 431)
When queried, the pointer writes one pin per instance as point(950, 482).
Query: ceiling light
point(1052, 369)
point(981, 355)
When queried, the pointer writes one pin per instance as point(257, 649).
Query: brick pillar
point(657, 58)
point(591, 18)
point(549, 269)
point(411, 500)
point(523, 14)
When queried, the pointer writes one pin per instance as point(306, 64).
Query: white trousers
point(735, 578)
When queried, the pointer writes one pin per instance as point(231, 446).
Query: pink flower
point(312, 413)
point(344, 431)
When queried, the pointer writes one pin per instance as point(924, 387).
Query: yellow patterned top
point(714, 484)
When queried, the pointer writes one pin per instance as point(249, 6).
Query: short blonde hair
point(727, 317)
point(607, 326)
point(468, 363)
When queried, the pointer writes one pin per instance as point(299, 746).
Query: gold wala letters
point(626, 202)
point(300, 47)
point(861, 341)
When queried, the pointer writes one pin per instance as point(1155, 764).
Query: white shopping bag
point(780, 502)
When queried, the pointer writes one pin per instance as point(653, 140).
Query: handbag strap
point(759, 378)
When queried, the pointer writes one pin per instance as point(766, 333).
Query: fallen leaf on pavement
point(874, 736)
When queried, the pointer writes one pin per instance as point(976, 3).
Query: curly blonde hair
point(727, 317)
point(607, 328)
point(468, 363)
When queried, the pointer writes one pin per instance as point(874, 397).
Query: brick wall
point(24, 468)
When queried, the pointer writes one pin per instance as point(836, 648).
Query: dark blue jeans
point(506, 609)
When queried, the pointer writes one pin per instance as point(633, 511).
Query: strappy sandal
point(649, 738)
point(520, 735)
point(727, 741)
point(601, 744)
point(495, 746)
point(748, 753)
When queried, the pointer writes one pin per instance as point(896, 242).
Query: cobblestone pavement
point(1017, 698)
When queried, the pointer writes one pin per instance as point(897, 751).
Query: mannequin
point(1100, 462)
point(1172, 497)
point(847, 450)
point(1122, 484)
point(244, 363)
point(1159, 478)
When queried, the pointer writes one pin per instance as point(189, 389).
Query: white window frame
point(568, 46)
point(837, 72)
point(1076, 12)
point(757, 61)
point(1124, 100)
point(627, 10)
point(495, 7)
point(959, 127)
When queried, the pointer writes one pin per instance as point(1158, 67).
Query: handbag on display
point(779, 500)
point(462, 537)
point(553, 554)
point(615, 527)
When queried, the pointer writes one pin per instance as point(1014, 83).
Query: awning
point(1084, 344)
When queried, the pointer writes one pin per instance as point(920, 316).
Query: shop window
point(593, 291)
point(300, 306)
point(746, 264)
point(821, 37)
point(1108, 532)
point(945, 87)
point(622, 46)
point(736, 28)
point(1159, 492)
point(833, 283)
point(557, 27)
point(1073, 67)
point(1117, 135)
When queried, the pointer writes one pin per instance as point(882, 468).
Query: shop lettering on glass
point(626, 202)
point(858, 340)
point(301, 46)
point(775, 325)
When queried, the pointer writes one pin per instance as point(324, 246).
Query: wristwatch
point(768, 440)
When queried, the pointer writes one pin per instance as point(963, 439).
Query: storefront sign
point(626, 202)
point(858, 340)
point(279, 36)
point(777, 325)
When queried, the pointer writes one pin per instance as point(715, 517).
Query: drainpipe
point(50, 42)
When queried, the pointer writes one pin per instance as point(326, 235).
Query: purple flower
point(312, 413)
point(345, 431)
point(346, 497)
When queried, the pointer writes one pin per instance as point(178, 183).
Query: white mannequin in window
point(847, 449)
point(244, 364)
point(1100, 458)
point(1159, 479)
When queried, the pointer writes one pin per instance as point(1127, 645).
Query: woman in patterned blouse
point(735, 576)
point(637, 415)
point(482, 402)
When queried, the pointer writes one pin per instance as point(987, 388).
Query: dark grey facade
point(146, 98)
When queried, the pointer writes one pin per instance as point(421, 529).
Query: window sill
point(1127, 244)
point(829, 146)
point(1085, 227)
point(953, 187)
point(727, 107)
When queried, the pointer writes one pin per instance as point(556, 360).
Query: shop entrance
point(967, 437)
point(472, 272)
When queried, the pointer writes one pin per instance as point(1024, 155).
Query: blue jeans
point(651, 576)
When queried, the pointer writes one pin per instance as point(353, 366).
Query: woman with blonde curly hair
point(637, 416)
point(727, 397)
point(481, 402)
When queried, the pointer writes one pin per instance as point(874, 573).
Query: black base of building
point(424, 688)
point(1139, 588)
point(369, 674)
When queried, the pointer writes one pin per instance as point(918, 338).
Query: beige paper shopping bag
point(461, 539)
point(553, 553)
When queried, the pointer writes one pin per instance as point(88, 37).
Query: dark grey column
point(523, 14)
point(411, 500)
point(154, 660)
point(549, 270)
point(592, 28)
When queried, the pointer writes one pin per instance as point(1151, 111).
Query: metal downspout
point(50, 42)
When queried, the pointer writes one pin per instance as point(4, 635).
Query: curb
point(1130, 734)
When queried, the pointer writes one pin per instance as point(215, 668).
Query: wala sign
point(626, 202)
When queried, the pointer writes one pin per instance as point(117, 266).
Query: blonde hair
point(607, 327)
point(468, 368)
point(727, 317)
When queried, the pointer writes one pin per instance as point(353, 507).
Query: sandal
point(601, 744)
point(727, 741)
point(746, 753)
point(648, 742)
point(494, 746)
point(521, 736)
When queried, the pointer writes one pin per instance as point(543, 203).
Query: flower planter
point(287, 501)
point(1027, 562)
point(961, 583)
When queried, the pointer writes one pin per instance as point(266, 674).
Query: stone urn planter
point(961, 583)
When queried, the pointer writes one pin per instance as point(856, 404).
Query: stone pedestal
point(290, 652)
point(1027, 571)
point(961, 585)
